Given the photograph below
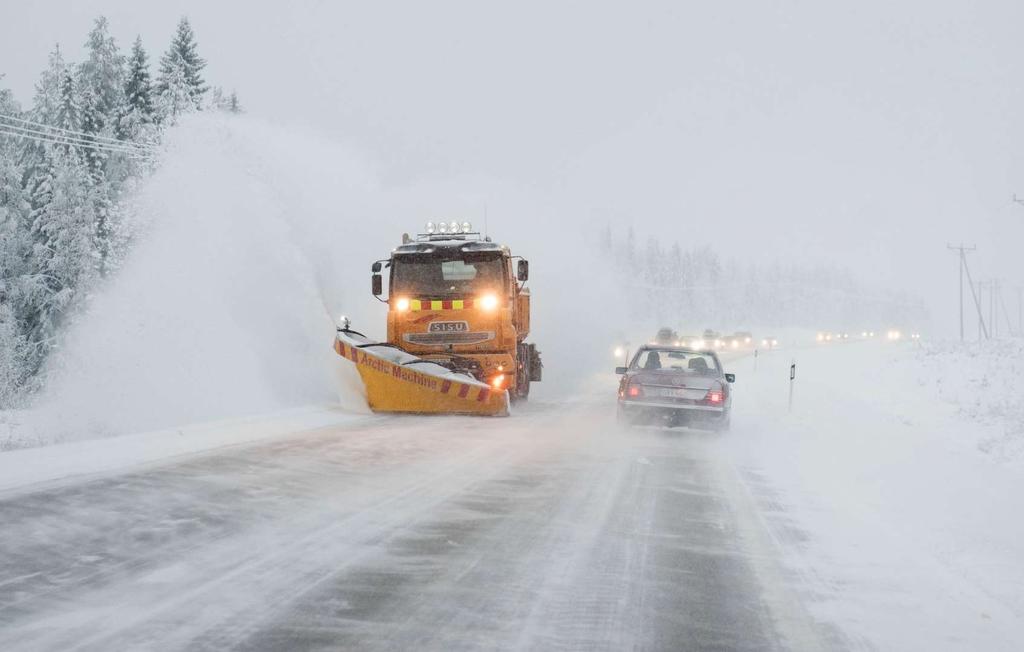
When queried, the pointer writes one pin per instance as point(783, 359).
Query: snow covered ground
point(888, 490)
point(872, 516)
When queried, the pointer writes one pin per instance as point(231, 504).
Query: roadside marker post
point(792, 379)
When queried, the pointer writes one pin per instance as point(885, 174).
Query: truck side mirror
point(620, 370)
point(523, 270)
point(375, 268)
point(376, 284)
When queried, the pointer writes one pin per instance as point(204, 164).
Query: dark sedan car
point(675, 385)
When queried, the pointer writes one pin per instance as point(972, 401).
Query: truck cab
point(459, 299)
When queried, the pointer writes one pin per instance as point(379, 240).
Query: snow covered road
point(549, 530)
point(872, 516)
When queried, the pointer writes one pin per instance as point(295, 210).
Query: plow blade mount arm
point(396, 381)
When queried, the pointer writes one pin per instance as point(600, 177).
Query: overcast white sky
point(867, 134)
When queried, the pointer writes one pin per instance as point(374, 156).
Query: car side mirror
point(730, 378)
point(620, 370)
point(523, 270)
point(376, 285)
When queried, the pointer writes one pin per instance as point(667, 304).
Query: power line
point(63, 140)
point(55, 141)
point(11, 130)
point(71, 132)
point(87, 139)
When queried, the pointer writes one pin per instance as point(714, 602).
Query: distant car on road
point(675, 385)
point(738, 340)
point(666, 336)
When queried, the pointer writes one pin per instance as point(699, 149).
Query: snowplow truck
point(458, 317)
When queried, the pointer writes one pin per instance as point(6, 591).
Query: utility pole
point(994, 301)
point(963, 263)
point(1006, 316)
point(981, 301)
point(1020, 312)
point(977, 301)
point(993, 322)
point(1017, 200)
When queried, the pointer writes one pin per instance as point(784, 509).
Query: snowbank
point(881, 487)
point(24, 469)
point(985, 383)
point(225, 305)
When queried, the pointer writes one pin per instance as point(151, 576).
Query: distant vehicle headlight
point(619, 352)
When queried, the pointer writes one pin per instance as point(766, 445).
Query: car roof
point(679, 349)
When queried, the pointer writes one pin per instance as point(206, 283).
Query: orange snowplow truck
point(456, 299)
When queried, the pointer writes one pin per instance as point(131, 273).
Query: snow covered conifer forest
point(689, 286)
point(68, 161)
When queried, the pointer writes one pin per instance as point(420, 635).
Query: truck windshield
point(443, 276)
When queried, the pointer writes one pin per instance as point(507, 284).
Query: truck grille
point(440, 339)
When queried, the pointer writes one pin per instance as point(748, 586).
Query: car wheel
point(725, 423)
point(623, 419)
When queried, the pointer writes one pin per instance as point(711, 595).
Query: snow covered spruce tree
point(140, 111)
point(101, 80)
point(63, 184)
point(103, 73)
point(180, 86)
point(62, 225)
point(221, 102)
point(15, 252)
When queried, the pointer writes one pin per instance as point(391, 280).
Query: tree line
point(67, 163)
point(694, 288)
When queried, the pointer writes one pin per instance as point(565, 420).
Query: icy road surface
point(549, 530)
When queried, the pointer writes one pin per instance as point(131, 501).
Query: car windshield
point(453, 275)
point(693, 362)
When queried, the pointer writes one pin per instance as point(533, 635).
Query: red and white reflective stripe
point(399, 372)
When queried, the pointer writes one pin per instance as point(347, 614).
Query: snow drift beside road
point(882, 487)
point(219, 309)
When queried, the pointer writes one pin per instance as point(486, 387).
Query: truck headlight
point(488, 302)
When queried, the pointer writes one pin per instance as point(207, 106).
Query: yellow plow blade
point(394, 385)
